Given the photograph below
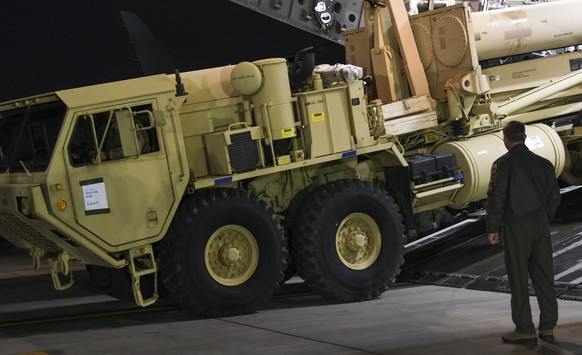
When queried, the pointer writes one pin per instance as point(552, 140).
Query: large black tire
point(290, 216)
point(117, 283)
point(224, 254)
point(113, 282)
point(349, 241)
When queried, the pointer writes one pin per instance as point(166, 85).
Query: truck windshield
point(28, 136)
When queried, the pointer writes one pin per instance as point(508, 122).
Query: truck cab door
point(118, 173)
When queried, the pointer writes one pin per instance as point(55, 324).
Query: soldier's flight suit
point(522, 197)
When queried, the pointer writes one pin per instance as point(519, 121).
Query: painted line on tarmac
point(34, 305)
point(297, 336)
point(87, 316)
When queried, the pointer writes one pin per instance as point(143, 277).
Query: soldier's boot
point(519, 338)
point(547, 335)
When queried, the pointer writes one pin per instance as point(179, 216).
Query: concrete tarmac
point(408, 319)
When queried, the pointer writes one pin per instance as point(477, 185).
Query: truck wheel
point(224, 254)
point(349, 240)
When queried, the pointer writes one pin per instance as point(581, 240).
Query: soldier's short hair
point(514, 131)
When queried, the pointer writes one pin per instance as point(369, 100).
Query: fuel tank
point(475, 156)
point(524, 29)
point(273, 101)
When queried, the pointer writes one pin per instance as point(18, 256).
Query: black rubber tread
point(291, 269)
point(290, 215)
point(113, 282)
point(117, 282)
point(181, 259)
point(315, 233)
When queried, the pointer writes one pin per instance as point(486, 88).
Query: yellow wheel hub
point(231, 255)
point(358, 241)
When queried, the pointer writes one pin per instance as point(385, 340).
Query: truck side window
point(28, 136)
point(82, 148)
point(96, 137)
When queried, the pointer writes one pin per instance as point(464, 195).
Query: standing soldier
point(522, 198)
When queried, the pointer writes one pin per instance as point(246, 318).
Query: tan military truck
point(211, 186)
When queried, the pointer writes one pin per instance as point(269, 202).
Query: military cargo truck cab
point(70, 161)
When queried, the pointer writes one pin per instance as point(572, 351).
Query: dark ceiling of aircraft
point(54, 45)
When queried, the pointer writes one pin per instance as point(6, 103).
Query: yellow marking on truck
point(318, 116)
point(288, 132)
point(282, 160)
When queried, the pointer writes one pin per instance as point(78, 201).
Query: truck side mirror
point(127, 133)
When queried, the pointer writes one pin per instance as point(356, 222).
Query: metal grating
point(461, 256)
point(14, 226)
point(243, 152)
